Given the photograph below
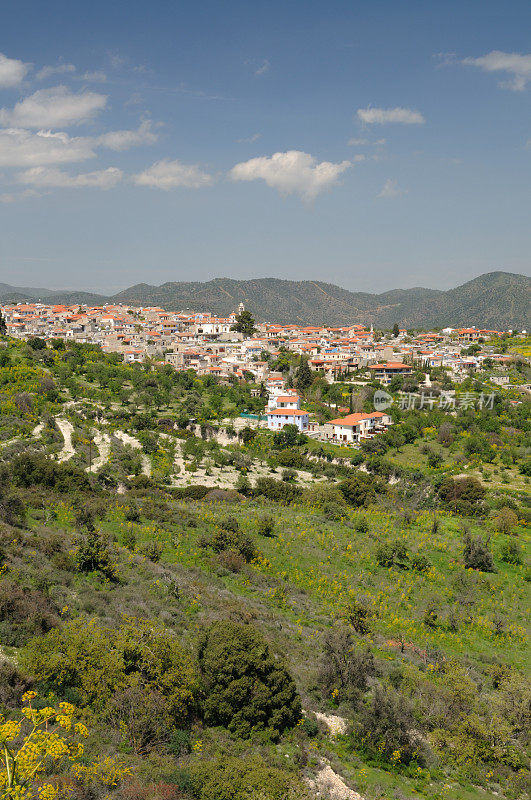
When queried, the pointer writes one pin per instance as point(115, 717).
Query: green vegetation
point(201, 632)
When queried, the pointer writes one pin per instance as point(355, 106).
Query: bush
point(505, 520)
point(151, 550)
point(344, 670)
point(89, 664)
point(266, 525)
point(361, 525)
point(244, 778)
point(511, 552)
point(360, 489)
point(230, 539)
point(420, 563)
point(476, 554)
point(279, 491)
point(464, 495)
point(12, 510)
point(246, 689)
point(231, 560)
point(93, 555)
point(24, 614)
point(386, 725)
point(393, 554)
point(30, 469)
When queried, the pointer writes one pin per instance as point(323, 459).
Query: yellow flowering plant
point(30, 746)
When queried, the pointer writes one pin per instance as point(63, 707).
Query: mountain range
point(499, 300)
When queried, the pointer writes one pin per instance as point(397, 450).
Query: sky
point(374, 145)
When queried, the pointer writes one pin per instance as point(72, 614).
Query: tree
point(3, 326)
point(396, 330)
point(244, 324)
point(304, 376)
point(246, 688)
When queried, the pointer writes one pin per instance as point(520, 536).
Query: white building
point(277, 418)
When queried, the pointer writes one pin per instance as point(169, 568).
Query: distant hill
point(495, 300)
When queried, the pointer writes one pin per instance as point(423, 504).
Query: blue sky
point(370, 144)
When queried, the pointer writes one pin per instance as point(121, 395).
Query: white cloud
point(53, 108)
point(250, 139)
point(58, 69)
point(263, 68)
point(12, 71)
point(13, 197)
point(21, 148)
point(47, 178)
point(123, 140)
point(381, 116)
point(98, 76)
point(390, 189)
point(173, 174)
point(517, 65)
point(361, 142)
point(293, 172)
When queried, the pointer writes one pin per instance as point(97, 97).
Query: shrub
point(12, 510)
point(357, 615)
point(13, 684)
point(344, 669)
point(420, 563)
point(360, 489)
point(361, 525)
point(93, 555)
point(386, 725)
point(225, 539)
point(477, 555)
point(511, 552)
point(90, 663)
point(434, 459)
point(151, 550)
point(30, 469)
point(244, 778)
point(246, 689)
point(132, 513)
point(464, 495)
point(279, 491)
point(23, 614)
point(393, 554)
point(142, 715)
point(505, 520)
point(231, 560)
point(266, 525)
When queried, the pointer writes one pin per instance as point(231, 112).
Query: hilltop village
point(211, 345)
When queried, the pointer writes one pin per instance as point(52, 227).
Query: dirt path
point(328, 784)
point(103, 443)
point(132, 442)
point(336, 725)
point(67, 429)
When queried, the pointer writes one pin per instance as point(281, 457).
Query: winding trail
point(328, 784)
point(132, 442)
point(103, 443)
point(67, 429)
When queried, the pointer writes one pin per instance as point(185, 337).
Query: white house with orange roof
point(278, 417)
